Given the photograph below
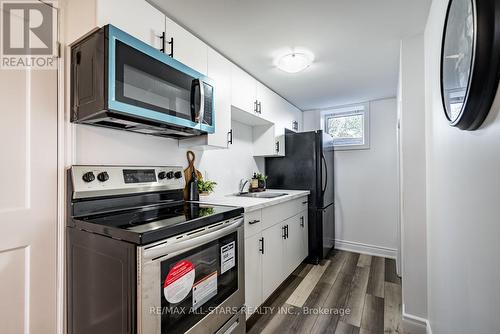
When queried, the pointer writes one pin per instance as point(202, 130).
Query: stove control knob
point(170, 175)
point(178, 175)
point(103, 176)
point(88, 177)
point(162, 175)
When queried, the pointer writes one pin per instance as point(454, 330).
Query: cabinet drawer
point(279, 212)
point(253, 223)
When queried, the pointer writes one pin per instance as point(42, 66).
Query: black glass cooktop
point(153, 223)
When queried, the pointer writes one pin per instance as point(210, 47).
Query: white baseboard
point(413, 324)
point(367, 249)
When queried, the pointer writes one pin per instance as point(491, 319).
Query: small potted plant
point(262, 180)
point(206, 187)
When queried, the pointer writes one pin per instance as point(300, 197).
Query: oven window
point(195, 282)
point(145, 82)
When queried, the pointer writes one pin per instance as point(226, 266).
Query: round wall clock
point(470, 61)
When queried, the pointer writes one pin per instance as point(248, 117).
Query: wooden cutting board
point(188, 172)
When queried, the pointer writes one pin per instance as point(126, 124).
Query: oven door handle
point(189, 241)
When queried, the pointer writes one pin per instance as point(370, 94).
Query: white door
point(187, 48)
point(305, 235)
point(219, 69)
point(272, 260)
point(28, 200)
point(137, 18)
point(253, 273)
point(243, 90)
point(293, 244)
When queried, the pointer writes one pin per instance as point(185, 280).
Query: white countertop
point(252, 203)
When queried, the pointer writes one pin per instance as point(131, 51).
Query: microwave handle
point(167, 249)
point(201, 112)
point(197, 115)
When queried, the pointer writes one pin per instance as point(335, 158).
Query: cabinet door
point(243, 90)
point(138, 18)
point(268, 103)
point(293, 244)
point(187, 48)
point(272, 259)
point(219, 69)
point(253, 273)
point(266, 143)
point(305, 235)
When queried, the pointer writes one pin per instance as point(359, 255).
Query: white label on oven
point(179, 282)
point(204, 289)
point(227, 257)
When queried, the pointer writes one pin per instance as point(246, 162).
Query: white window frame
point(354, 109)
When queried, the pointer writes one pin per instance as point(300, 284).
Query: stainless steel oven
point(140, 260)
point(193, 283)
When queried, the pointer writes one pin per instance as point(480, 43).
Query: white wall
point(411, 113)
point(366, 185)
point(94, 145)
point(463, 208)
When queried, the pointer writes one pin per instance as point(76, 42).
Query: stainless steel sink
point(261, 195)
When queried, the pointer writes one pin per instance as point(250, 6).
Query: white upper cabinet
point(187, 48)
point(243, 90)
point(219, 70)
point(136, 17)
point(267, 102)
point(267, 143)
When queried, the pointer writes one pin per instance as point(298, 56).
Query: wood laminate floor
point(352, 294)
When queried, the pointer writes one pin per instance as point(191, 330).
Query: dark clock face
point(457, 57)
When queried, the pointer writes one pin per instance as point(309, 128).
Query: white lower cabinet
point(276, 242)
point(272, 260)
point(253, 273)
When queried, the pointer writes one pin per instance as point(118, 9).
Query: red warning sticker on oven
point(179, 282)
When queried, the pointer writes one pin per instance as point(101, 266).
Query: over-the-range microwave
point(121, 82)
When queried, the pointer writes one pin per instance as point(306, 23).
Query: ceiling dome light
point(295, 62)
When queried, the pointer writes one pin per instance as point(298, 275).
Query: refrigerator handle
point(323, 160)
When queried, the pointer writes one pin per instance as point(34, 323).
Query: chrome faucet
point(243, 184)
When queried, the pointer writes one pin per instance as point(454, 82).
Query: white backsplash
point(101, 146)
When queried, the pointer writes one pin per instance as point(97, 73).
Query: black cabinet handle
point(259, 107)
point(230, 135)
point(254, 221)
point(261, 241)
point(305, 202)
point(277, 147)
point(255, 107)
point(284, 232)
point(171, 54)
point(286, 229)
point(302, 221)
point(164, 42)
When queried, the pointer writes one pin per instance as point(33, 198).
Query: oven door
point(144, 82)
point(191, 283)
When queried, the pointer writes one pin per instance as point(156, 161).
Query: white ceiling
point(355, 42)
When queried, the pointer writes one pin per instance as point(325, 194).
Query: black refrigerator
point(308, 165)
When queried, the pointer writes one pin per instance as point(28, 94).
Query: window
point(348, 127)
